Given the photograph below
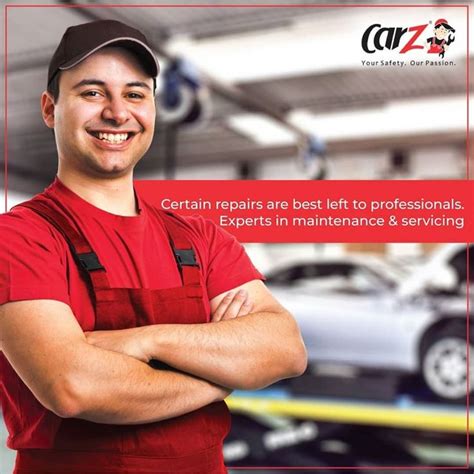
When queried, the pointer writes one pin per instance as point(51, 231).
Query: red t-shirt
point(36, 263)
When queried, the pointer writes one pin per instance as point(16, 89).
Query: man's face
point(440, 32)
point(105, 114)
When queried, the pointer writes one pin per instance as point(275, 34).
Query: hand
point(125, 341)
point(232, 306)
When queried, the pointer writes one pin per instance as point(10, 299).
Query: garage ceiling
point(33, 34)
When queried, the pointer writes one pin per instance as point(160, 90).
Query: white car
point(360, 312)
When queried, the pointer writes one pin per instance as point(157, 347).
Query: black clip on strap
point(185, 257)
point(89, 261)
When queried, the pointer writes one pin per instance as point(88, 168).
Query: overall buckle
point(185, 257)
point(89, 261)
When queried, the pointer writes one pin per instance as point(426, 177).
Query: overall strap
point(183, 251)
point(83, 254)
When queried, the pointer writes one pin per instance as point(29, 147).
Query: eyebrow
point(138, 84)
point(98, 82)
point(89, 82)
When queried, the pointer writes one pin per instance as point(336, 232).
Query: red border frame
point(281, 5)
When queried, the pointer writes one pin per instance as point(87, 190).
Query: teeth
point(113, 137)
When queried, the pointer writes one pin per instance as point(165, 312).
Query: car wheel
point(444, 364)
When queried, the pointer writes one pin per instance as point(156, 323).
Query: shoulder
point(22, 225)
point(223, 260)
point(19, 220)
point(33, 258)
point(207, 238)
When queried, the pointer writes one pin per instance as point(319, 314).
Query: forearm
point(48, 350)
point(108, 387)
point(245, 353)
point(118, 389)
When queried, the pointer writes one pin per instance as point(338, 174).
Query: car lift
point(417, 416)
point(273, 427)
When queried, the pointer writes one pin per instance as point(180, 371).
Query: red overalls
point(191, 443)
point(436, 48)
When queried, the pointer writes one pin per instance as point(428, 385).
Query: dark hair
point(53, 86)
point(446, 26)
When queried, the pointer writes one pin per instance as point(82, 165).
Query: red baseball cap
point(80, 41)
point(441, 21)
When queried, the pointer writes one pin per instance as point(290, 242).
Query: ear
point(47, 109)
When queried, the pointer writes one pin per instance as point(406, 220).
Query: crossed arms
point(104, 377)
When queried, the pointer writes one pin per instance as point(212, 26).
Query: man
point(122, 327)
point(443, 37)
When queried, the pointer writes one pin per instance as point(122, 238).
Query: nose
point(116, 111)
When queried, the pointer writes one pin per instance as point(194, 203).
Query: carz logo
point(378, 38)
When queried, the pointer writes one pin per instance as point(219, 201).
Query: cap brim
point(135, 45)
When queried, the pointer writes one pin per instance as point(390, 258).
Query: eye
point(134, 95)
point(92, 93)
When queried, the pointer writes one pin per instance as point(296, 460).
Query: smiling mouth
point(113, 138)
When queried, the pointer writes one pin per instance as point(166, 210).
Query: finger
point(246, 308)
point(234, 307)
point(221, 308)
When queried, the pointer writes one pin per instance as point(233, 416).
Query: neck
point(111, 195)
